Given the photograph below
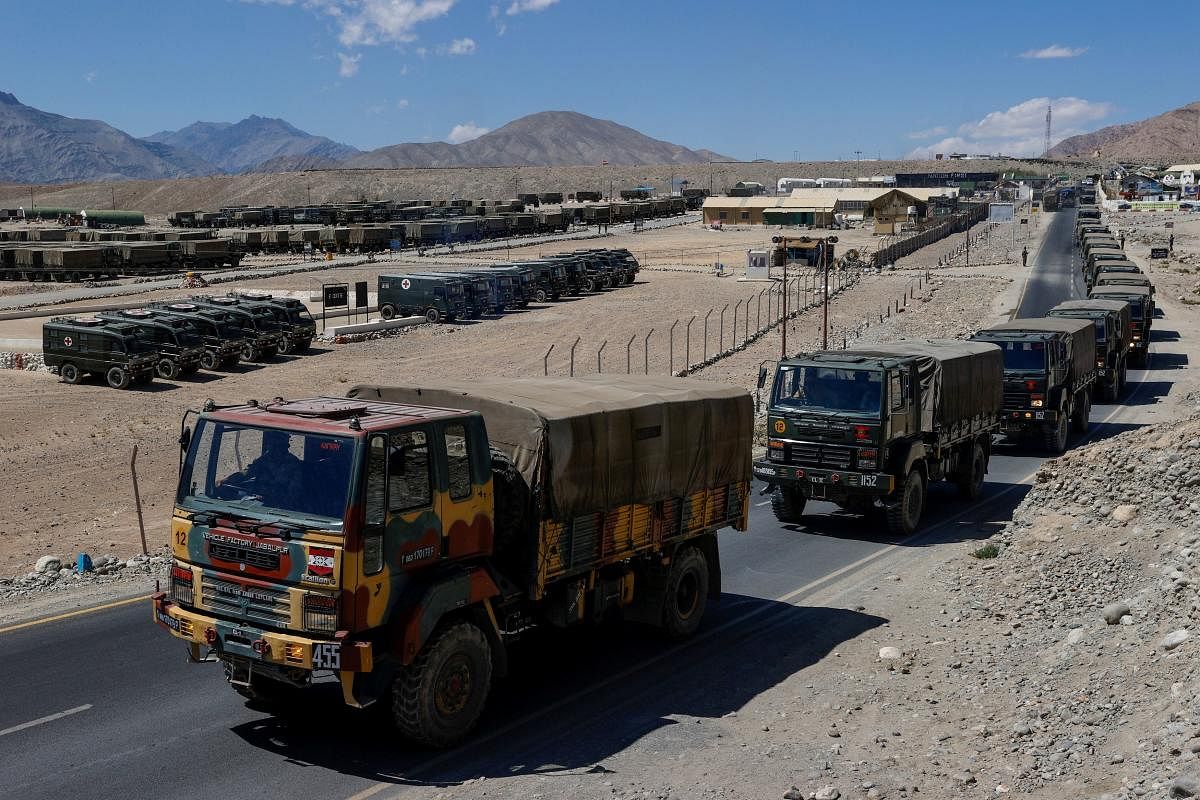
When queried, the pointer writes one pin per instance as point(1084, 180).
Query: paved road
point(142, 722)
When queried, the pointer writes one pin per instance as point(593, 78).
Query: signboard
point(360, 294)
point(335, 296)
point(1001, 212)
point(1159, 252)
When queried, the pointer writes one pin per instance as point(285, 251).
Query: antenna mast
point(1046, 151)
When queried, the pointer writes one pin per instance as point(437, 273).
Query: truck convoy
point(1049, 369)
point(396, 540)
point(872, 428)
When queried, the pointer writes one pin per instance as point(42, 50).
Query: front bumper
point(1024, 419)
point(203, 633)
point(825, 482)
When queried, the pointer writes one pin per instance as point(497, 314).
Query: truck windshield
point(834, 389)
point(1024, 356)
point(266, 472)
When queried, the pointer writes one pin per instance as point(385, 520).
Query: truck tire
point(1054, 438)
point(209, 360)
point(971, 483)
point(251, 353)
point(540, 295)
point(167, 369)
point(285, 346)
point(511, 500)
point(387, 311)
point(437, 699)
point(589, 285)
point(117, 377)
point(686, 593)
point(904, 517)
point(788, 504)
point(433, 316)
point(1083, 412)
point(70, 373)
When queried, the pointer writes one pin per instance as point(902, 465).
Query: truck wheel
point(387, 311)
point(788, 504)
point(904, 517)
point(687, 593)
point(250, 353)
point(433, 316)
point(69, 373)
point(117, 377)
point(438, 698)
point(540, 296)
point(209, 360)
point(285, 346)
point(167, 369)
point(971, 483)
point(1083, 413)
point(589, 285)
point(1054, 438)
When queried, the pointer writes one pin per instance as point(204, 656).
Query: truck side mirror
point(762, 377)
point(185, 438)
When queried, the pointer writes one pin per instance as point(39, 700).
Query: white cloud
point(363, 23)
point(1055, 51)
point(1020, 130)
point(90, 76)
point(521, 6)
point(465, 133)
point(403, 70)
point(348, 64)
point(401, 104)
point(929, 133)
point(461, 47)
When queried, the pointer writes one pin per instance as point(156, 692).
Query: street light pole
point(825, 304)
point(784, 354)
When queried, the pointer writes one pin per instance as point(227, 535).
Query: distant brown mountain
point(549, 138)
point(1175, 134)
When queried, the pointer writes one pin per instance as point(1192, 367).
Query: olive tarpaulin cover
point(594, 443)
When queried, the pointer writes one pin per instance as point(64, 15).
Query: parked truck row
point(173, 339)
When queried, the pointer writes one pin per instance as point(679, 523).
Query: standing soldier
point(1024, 256)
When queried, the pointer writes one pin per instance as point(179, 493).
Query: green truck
point(261, 329)
point(224, 341)
point(1049, 371)
point(1141, 315)
point(872, 428)
point(1111, 319)
point(79, 346)
point(297, 326)
point(438, 298)
point(397, 540)
point(179, 346)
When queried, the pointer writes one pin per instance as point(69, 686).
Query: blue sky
point(748, 79)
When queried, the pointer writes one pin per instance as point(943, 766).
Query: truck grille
point(264, 605)
point(244, 555)
point(813, 455)
point(1016, 400)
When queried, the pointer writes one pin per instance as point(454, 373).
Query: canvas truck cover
point(1081, 337)
point(959, 379)
point(1118, 307)
point(594, 443)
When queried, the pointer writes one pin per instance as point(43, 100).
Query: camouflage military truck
point(1049, 371)
point(297, 328)
point(872, 428)
point(438, 298)
point(264, 332)
point(179, 345)
point(397, 540)
point(93, 346)
point(1111, 319)
point(224, 342)
point(1141, 314)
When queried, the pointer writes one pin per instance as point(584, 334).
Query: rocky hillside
point(1169, 136)
point(39, 147)
point(245, 146)
point(551, 138)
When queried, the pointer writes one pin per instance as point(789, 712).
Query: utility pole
point(114, 197)
point(1046, 152)
point(785, 308)
point(825, 304)
point(31, 205)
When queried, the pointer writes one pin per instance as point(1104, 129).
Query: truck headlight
point(182, 591)
point(1037, 403)
point(320, 613)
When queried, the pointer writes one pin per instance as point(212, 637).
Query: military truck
point(872, 428)
point(549, 279)
point(177, 341)
point(1101, 260)
point(261, 329)
point(1111, 319)
point(224, 342)
point(438, 298)
point(398, 539)
point(1141, 314)
point(80, 346)
point(1049, 370)
point(1123, 278)
point(297, 328)
point(477, 292)
point(523, 286)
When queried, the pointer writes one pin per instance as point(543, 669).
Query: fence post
point(687, 348)
point(599, 368)
point(671, 345)
point(746, 324)
point(704, 357)
point(721, 347)
point(628, 347)
point(546, 362)
point(733, 330)
point(758, 322)
point(577, 338)
point(646, 356)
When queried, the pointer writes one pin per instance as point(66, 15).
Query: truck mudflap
point(207, 635)
point(820, 483)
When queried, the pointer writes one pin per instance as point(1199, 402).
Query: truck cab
point(180, 347)
point(93, 346)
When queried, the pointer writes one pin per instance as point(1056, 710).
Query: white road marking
point(763, 503)
point(43, 720)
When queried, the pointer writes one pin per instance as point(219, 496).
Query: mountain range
point(39, 147)
point(1168, 136)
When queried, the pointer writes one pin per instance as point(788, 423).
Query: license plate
point(817, 478)
point(327, 655)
